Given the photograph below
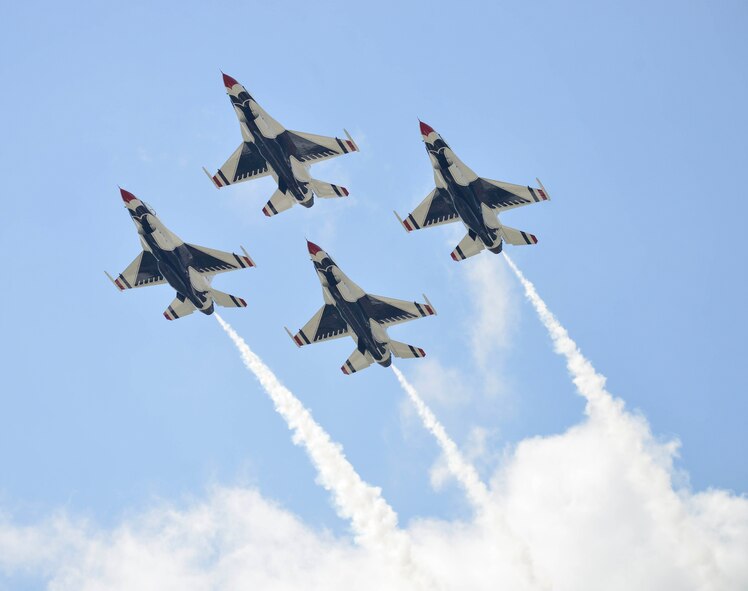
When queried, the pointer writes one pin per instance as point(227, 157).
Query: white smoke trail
point(476, 490)
point(623, 428)
point(588, 382)
point(373, 521)
point(463, 470)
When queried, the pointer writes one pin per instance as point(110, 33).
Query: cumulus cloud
point(597, 506)
point(234, 539)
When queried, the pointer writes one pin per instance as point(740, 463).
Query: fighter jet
point(270, 149)
point(462, 194)
point(188, 268)
point(349, 311)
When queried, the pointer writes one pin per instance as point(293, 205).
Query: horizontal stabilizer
point(405, 351)
point(517, 237)
point(467, 247)
point(226, 300)
point(323, 189)
point(179, 308)
point(278, 202)
point(356, 362)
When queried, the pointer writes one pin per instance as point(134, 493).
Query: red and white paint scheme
point(268, 148)
point(460, 194)
point(350, 311)
point(188, 268)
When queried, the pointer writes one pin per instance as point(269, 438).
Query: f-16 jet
point(350, 311)
point(460, 194)
point(270, 149)
point(188, 268)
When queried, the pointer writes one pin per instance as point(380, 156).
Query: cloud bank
point(597, 507)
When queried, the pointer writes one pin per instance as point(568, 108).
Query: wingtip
point(543, 191)
point(212, 178)
point(404, 223)
point(295, 340)
point(250, 261)
point(429, 305)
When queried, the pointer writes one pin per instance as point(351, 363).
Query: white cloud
point(598, 506)
point(595, 507)
point(234, 539)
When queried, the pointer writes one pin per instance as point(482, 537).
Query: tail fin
point(405, 351)
point(323, 189)
point(227, 300)
point(517, 237)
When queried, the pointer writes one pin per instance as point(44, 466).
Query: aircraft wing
point(141, 272)
point(244, 164)
point(307, 147)
point(389, 311)
point(436, 209)
point(325, 325)
point(211, 261)
point(502, 196)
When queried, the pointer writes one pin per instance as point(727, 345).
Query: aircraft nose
point(127, 196)
point(228, 81)
point(426, 129)
point(312, 247)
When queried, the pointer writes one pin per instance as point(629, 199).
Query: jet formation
point(268, 148)
point(460, 194)
point(350, 311)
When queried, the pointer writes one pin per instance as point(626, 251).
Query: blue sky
point(633, 115)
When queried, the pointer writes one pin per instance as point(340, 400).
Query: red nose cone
point(127, 196)
point(228, 81)
point(313, 248)
point(426, 129)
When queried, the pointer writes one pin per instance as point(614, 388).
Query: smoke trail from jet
point(476, 490)
point(373, 521)
point(463, 470)
point(588, 382)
